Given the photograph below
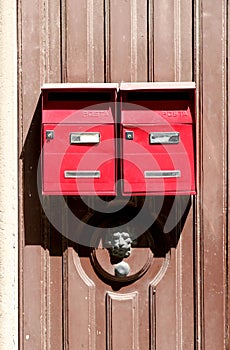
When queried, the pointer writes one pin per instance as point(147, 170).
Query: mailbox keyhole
point(49, 135)
point(129, 135)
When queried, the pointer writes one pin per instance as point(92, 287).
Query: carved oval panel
point(139, 261)
point(124, 256)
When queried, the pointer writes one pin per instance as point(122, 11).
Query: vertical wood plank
point(53, 260)
point(228, 204)
point(82, 61)
point(40, 52)
point(81, 306)
point(198, 227)
point(39, 62)
point(150, 39)
point(214, 22)
point(76, 41)
point(55, 302)
point(172, 61)
point(140, 62)
point(84, 41)
point(30, 47)
point(33, 336)
point(183, 18)
point(54, 286)
point(126, 41)
point(32, 245)
point(122, 321)
point(152, 317)
point(166, 309)
point(53, 41)
point(119, 38)
point(185, 286)
point(52, 241)
point(174, 295)
point(173, 40)
point(164, 41)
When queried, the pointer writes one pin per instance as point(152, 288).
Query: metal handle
point(149, 174)
point(82, 174)
point(84, 137)
point(164, 138)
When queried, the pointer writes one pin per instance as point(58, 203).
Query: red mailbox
point(78, 139)
point(158, 138)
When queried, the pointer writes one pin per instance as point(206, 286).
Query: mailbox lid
point(79, 159)
point(157, 103)
point(79, 103)
point(161, 86)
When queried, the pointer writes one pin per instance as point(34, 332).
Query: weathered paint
point(104, 41)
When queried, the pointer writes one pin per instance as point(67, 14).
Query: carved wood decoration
point(81, 315)
point(116, 297)
point(122, 321)
point(174, 294)
point(127, 309)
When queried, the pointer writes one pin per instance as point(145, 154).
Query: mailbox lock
point(129, 135)
point(49, 134)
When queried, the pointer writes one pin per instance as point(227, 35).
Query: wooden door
point(177, 297)
point(112, 310)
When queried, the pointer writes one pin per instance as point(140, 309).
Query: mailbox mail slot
point(158, 137)
point(79, 149)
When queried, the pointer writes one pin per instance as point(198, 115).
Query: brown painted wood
point(54, 289)
point(33, 248)
point(173, 40)
point(109, 317)
point(122, 321)
point(120, 36)
point(148, 294)
point(172, 62)
point(228, 223)
point(81, 306)
point(126, 41)
point(41, 264)
point(164, 41)
point(64, 302)
point(84, 41)
point(214, 117)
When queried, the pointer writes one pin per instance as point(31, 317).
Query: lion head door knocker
point(119, 245)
